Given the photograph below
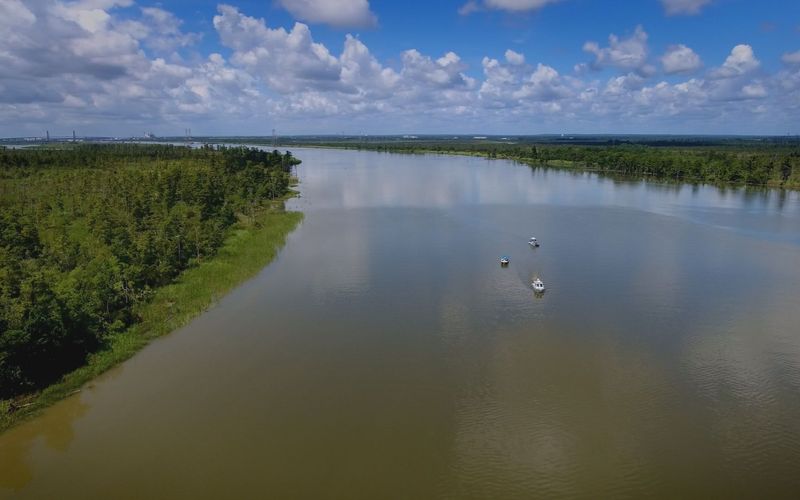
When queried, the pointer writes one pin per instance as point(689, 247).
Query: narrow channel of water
point(385, 353)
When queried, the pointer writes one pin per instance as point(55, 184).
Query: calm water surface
point(385, 353)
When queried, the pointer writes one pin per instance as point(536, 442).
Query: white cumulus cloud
point(506, 5)
point(518, 86)
point(754, 90)
point(362, 73)
point(680, 59)
point(791, 57)
point(517, 5)
point(287, 60)
point(544, 84)
point(159, 30)
point(742, 60)
point(93, 64)
point(514, 58)
point(469, 7)
point(77, 63)
point(338, 13)
point(446, 71)
point(312, 79)
point(686, 7)
point(622, 53)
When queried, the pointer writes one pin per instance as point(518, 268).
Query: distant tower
point(47, 132)
point(73, 136)
point(274, 139)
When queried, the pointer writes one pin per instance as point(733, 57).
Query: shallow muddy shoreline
point(250, 245)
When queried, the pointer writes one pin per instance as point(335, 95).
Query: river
point(386, 354)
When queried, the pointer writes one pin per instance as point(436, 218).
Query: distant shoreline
point(712, 176)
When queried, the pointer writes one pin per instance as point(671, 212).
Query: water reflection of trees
point(750, 196)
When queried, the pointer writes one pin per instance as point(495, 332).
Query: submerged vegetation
point(104, 247)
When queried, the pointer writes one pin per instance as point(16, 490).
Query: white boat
point(537, 285)
point(533, 242)
point(504, 261)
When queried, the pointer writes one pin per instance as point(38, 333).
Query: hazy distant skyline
point(120, 67)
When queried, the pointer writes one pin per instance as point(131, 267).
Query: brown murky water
point(386, 354)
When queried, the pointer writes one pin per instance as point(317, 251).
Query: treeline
point(87, 233)
point(766, 165)
point(761, 167)
point(92, 156)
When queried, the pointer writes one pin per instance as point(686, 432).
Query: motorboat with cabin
point(504, 260)
point(533, 242)
point(538, 285)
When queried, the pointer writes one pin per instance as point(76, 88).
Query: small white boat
point(504, 261)
point(537, 285)
point(533, 242)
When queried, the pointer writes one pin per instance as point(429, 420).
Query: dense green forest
point(769, 164)
point(88, 233)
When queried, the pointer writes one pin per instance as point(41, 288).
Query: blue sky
point(123, 67)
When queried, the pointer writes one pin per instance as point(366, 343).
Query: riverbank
point(764, 166)
point(252, 243)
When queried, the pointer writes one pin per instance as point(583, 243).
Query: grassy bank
point(250, 245)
